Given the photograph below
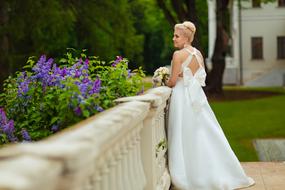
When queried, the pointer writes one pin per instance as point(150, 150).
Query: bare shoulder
point(179, 56)
point(177, 53)
point(199, 53)
point(176, 56)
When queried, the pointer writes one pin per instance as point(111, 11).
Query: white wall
point(267, 22)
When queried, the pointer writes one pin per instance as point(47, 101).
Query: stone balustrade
point(123, 148)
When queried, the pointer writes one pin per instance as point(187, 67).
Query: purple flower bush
point(48, 96)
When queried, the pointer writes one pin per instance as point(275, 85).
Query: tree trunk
point(4, 42)
point(170, 18)
point(192, 16)
point(215, 77)
point(184, 10)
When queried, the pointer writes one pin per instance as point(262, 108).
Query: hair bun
point(190, 26)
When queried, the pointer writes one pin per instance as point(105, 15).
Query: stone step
point(270, 150)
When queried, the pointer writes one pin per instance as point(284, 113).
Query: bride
point(200, 157)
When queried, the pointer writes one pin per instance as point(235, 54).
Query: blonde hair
point(188, 28)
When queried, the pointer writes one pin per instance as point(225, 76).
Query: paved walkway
point(275, 77)
point(267, 175)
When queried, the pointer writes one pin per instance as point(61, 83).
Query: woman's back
point(192, 59)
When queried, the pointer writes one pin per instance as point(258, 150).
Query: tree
point(30, 28)
point(215, 77)
point(107, 28)
point(177, 11)
point(4, 41)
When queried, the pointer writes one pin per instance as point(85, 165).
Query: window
point(256, 3)
point(281, 3)
point(281, 47)
point(256, 48)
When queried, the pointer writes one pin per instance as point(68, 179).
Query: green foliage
point(150, 21)
point(202, 13)
point(47, 97)
point(136, 29)
point(48, 27)
point(107, 28)
point(38, 26)
point(162, 145)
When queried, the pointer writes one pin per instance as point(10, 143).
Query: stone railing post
point(123, 148)
point(102, 152)
point(153, 137)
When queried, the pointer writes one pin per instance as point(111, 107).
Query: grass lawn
point(245, 120)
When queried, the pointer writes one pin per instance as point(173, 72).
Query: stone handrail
point(123, 148)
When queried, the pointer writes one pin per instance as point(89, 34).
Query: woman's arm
point(176, 64)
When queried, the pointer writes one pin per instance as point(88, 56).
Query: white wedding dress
point(200, 157)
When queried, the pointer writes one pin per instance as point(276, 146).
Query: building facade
point(257, 56)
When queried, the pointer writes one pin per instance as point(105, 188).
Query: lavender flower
point(129, 73)
point(23, 84)
point(54, 128)
point(3, 118)
point(7, 127)
point(96, 86)
point(141, 91)
point(12, 138)
point(83, 86)
point(42, 70)
point(63, 72)
point(118, 60)
point(86, 80)
point(78, 111)
point(77, 73)
point(99, 108)
point(26, 135)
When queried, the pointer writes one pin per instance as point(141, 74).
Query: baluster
point(105, 172)
point(113, 184)
point(119, 169)
point(130, 161)
point(135, 166)
point(141, 176)
point(125, 165)
point(136, 162)
point(88, 184)
point(98, 176)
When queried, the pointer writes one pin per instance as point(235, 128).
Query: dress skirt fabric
point(200, 157)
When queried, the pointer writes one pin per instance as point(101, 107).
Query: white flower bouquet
point(160, 77)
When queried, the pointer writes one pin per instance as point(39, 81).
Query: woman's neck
point(188, 46)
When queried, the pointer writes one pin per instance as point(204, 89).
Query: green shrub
point(47, 96)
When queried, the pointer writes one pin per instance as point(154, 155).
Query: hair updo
point(188, 28)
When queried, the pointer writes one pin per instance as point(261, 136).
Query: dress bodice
point(199, 75)
point(193, 82)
